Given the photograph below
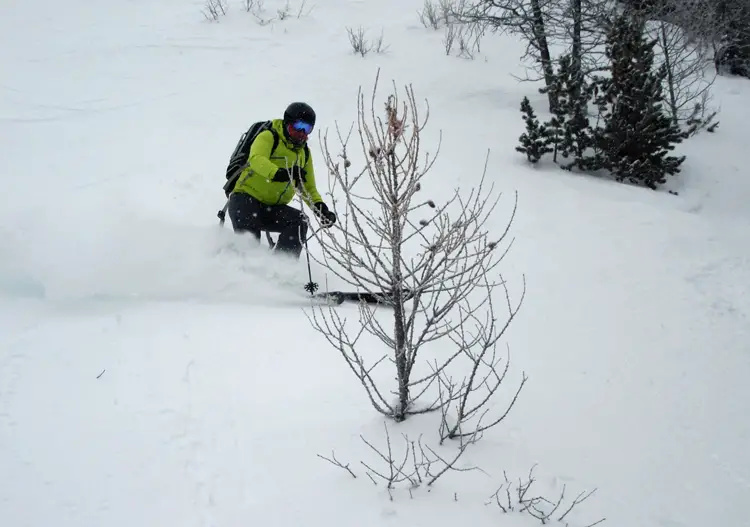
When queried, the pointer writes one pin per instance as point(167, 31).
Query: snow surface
point(151, 375)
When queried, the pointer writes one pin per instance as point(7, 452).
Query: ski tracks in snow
point(724, 284)
point(194, 448)
point(210, 449)
point(13, 358)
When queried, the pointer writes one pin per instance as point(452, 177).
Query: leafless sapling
point(676, 26)
point(431, 263)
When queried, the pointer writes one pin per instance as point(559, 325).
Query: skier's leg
point(291, 225)
point(246, 214)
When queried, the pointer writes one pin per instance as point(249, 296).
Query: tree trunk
point(545, 58)
point(399, 311)
point(576, 58)
point(670, 72)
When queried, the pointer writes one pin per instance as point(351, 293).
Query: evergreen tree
point(637, 134)
point(556, 125)
point(569, 127)
point(534, 142)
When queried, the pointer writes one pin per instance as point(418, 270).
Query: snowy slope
point(150, 375)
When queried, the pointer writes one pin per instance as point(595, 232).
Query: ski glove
point(295, 173)
point(326, 217)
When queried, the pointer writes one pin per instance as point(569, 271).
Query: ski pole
point(311, 286)
point(222, 214)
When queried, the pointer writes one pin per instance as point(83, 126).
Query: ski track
point(195, 466)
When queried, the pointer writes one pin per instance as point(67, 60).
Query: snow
point(152, 374)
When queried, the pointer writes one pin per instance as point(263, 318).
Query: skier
point(268, 183)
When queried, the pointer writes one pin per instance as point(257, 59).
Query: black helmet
point(299, 111)
point(299, 120)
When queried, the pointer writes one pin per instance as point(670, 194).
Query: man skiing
point(271, 178)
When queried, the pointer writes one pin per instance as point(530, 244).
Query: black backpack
point(238, 160)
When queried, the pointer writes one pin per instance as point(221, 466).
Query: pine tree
point(556, 125)
point(578, 134)
point(569, 128)
point(534, 142)
point(638, 133)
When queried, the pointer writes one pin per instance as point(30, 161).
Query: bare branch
point(332, 460)
point(535, 505)
point(416, 465)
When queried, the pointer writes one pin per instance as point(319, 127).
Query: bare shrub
point(358, 41)
point(435, 15)
point(282, 13)
point(519, 498)
point(432, 268)
point(379, 45)
point(214, 9)
point(409, 465)
point(361, 45)
point(253, 6)
point(285, 12)
point(256, 8)
point(468, 44)
point(430, 15)
point(451, 32)
point(465, 48)
point(453, 15)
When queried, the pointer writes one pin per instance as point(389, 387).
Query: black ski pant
point(250, 215)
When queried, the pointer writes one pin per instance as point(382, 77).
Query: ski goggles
point(302, 126)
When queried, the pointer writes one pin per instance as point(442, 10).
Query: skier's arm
point(260, 155)
point(310, 193)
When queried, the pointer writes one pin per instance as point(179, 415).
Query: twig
point(337, 463)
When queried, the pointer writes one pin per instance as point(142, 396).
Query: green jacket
point(256, 178)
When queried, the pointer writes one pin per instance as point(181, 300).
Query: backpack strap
point(275, 137)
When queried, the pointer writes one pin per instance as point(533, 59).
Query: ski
point(339, 297)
